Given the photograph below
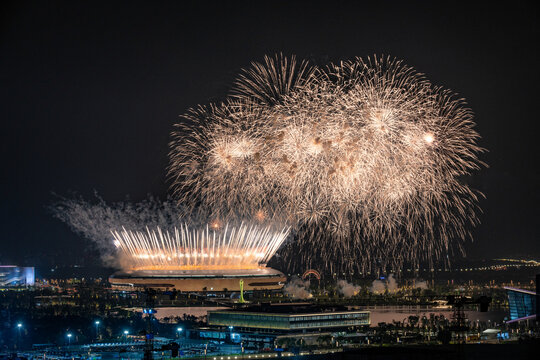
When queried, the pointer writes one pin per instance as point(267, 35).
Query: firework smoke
point(392, 284)
point(297, 288)
point(379, 286)
point(363, 159)
point(347, 289)
point(95, 220)
point(154, 234)
point(420, 284)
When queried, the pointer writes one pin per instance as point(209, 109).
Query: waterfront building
point(522, 304)
point(11, 275)
point(264, 324)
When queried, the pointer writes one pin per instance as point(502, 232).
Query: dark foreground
point(515, 351)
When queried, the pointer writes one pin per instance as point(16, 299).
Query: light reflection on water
point(378, 313)
point(398, 313)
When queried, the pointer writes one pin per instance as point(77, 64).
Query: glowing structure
point(11, 275)
point(200, 260)
point(241, 300)
point(243, 247)
point(364, 159)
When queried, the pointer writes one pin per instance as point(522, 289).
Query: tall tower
point(242, 292)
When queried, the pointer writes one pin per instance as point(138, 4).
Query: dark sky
point(90, 92)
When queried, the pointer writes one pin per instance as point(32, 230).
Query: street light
point(19, 327)
point(178, 332)
point(97, 322)
point(69, 335)
point(126, 334)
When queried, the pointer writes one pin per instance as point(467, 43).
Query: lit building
point(216, 258)
point(522, 304)
point(267, 323)
point(261, 278)
point(11, 275)
point(289, 318)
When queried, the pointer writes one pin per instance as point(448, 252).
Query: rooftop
point(520, 290)
point(291, 308)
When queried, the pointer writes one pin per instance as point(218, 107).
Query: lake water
point(398, 313)
point(378, 313)
point(163, 312)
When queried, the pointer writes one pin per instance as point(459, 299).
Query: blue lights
point(521, 303)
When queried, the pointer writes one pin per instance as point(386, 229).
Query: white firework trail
point(242, 247)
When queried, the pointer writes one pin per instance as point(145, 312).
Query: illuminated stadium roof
point(261, 278)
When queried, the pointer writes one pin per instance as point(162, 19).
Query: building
point(11, 275)
point(263, 325)
point(221, 280)
point(522, 304)
point(289, 318)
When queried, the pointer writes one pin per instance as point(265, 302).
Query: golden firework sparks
point(363, 157)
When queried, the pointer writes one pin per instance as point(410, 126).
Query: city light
point(179, 331)
point(97, 322)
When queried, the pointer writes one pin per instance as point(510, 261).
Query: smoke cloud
point(297, 288)
point(95, 220)
point(420, 284)
point(391, 284)
point(347, 289)
point(379, 287)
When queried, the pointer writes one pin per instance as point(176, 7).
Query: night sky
point(90, 92)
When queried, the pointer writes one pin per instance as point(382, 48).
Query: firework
point(363, 159)
point(154, 235)
point(242, 247)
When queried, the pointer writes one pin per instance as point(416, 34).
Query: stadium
point(262, 278)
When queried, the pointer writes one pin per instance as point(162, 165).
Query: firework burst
point(363, 159)
point(242, 247)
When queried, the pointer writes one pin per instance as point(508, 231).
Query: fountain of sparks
point(213, 248)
